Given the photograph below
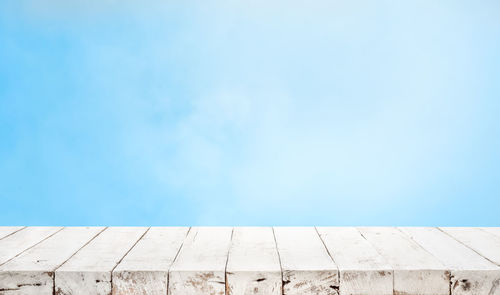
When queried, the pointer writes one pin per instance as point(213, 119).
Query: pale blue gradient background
point(335, 112)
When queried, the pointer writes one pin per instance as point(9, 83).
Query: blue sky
point(250, 112)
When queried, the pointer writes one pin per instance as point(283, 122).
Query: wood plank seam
point(362, 270)
point(175, 258)
point(254, 266)
point(90, 270)
point(202, 263)
point(54, 277)
point(279, 259)
point(226, 286)
point(1, 238)
point(307, 266)
point(478, 253)
point(393, 268)
point(144, 270)
point(337, 288)
point(80, 249)
point(447, 272)
point(111, 281)
point(429, 246)
point(496, 234)
point(471, 274)
point(31, 273)
point(411, 238)
point(32, 245)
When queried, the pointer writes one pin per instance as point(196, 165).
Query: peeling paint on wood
point(363, 271)
point(253, 265)
point(145, 268)
point(416, 271)
point(32, 272)
point(249, 260)
point(88, 272)
point(485, 243)
point(307, 267)
point(200, 266)
point(471, 274)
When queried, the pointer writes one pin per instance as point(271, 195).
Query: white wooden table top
point(249, 260)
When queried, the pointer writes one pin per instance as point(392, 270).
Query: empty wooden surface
point(466, 266)
point(32, 272)
point(485, 243)
point(88, 272)
point(253, 265)
point(8, 230)
point(201, 263)
point(416, 271)
point(17, 242)
point(307, 267)
point(249, 260)
point(362, 270)
point(145, 268)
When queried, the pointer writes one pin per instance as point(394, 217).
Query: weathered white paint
point(257, 260)
point(145, 268)
point(470, 272)
point(18, 242)
point(88, 272)
point(32, 272)
point(307, 267)
point(8, 230)
point(200, 265)
point(485, 243)
point(253, 265)
point(493, 230)
point(416, 271)
point(363, 271)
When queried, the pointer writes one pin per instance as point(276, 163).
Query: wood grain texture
point(32, 272)
point(88, 272)
point(306, 265)
point(249, 260)
point(416, 271)
point(363, 271)
point(8, 230)
point(145, 268)
point(200, 265)
point(485, 243)
point(16, 243)
point(470, 272)
point(493, 230)
point(253, 265)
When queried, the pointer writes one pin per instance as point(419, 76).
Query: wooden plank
point(307, 267)
point(470, 272)
point(145, 268)
point(8, 230)
point(89, 271)
point(32, 272)
point(253, 265)
point(493, 230)
point(200, 265)
point(484, 243)
point(14, 244)
point(363, 271)
point(416, 271)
